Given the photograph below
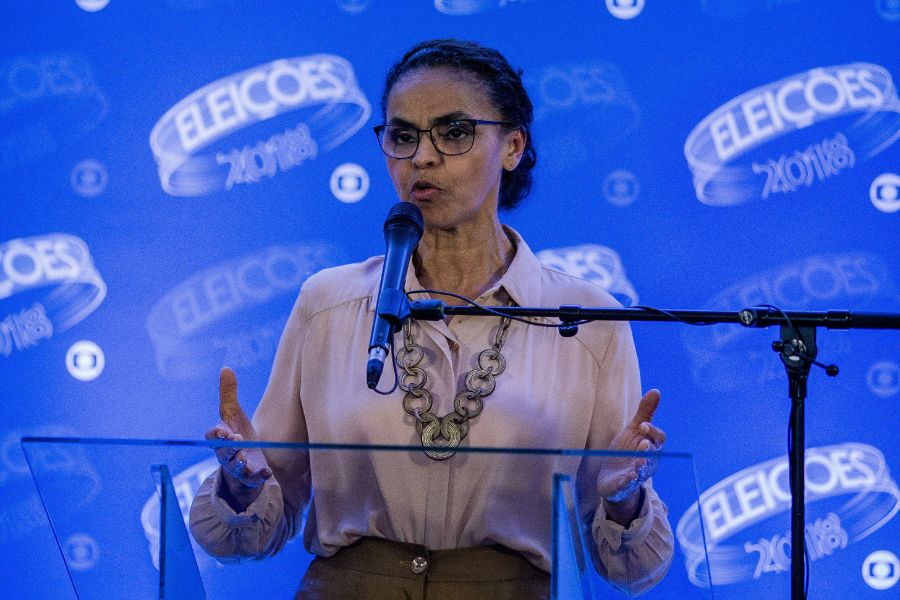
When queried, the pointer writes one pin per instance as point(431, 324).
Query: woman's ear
point(515, 148)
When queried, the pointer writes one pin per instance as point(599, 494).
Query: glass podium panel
point(134, 527)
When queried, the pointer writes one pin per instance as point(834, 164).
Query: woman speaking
point(440, 524)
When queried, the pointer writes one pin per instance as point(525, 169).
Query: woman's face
point(450, 190)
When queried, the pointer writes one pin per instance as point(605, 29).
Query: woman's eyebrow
point(451, 116)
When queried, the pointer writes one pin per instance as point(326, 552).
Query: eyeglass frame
point(475, 122)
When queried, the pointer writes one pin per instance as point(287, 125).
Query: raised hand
point(620, 478)
point(246, 469)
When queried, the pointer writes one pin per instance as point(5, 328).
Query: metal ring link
point(409, 398)
point(461, 422)
point(433, 454)
point(405, 361)
point(430, 418)
point(414, 378)
point(408, 343)
point(417, 392)
point(450, 429)
point(479, 375)
point(499, 363)
point(420, 424)
point(422, 417)
point(433, 450)
point(502, 333)
point(469, 412)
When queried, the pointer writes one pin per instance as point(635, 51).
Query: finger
point(225, 456)
point(249, 467)
point(653, 433)
point(215, 433)
point(646, 408)
point(258, 477)
point(612, 482)
point(222, 432)
point(237, 464)
point(219, 432)
point(625, 480)
point(230, 410)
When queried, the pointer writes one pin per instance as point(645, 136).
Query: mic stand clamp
point(427, 310)
point(568, 314)
point(393, 306)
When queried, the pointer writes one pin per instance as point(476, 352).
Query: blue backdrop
point(172, 170)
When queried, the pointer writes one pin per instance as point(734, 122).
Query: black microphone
point(402, 232)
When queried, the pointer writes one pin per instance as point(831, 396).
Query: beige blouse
point(555, 393)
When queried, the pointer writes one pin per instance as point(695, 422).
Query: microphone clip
point(393, 306)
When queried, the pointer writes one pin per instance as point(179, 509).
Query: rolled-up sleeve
point(231, 536)
point(272, 519)
point(635, 558)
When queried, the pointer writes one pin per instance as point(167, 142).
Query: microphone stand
point(796, 347)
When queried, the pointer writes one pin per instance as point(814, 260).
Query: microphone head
point(405, 214)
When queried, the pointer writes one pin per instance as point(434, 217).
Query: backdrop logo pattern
point(459, 8)
point(757, 493)
point(881, 570)
point(594, 263)
point(883, 379)
point(888, 9)
point(349, 183)
point(46, 102)
point(81, 551)
point(63, 469)
point(85, 360)
point(353, 7)
point(89, 178)
point(727, 358)
point(191, 326)
point(92, 5)
point(573, 99)
point(60, 261)
point(758, 117)
point(625, 9)
point(186, 483)
point(255, 98)
point(621, 188)
point(885, 193)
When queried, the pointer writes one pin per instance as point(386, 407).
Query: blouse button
point(453, 345)
point(419, 564)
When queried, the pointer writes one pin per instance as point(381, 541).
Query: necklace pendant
point(441, 428)
point(439, 454)
point(454, 426)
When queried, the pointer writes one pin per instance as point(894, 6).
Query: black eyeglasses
point(449, 138)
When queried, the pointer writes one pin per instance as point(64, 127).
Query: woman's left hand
point(620, 478)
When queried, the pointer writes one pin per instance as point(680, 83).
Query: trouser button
point(419, 564)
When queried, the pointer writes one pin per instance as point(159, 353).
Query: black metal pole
point(754, 317)
point(798, 494)
point(797, 350)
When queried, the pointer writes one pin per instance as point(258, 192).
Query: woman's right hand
point(245, 470)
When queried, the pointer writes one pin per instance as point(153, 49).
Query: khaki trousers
point(377, 569)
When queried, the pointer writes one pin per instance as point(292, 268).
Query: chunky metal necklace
point(454, 426)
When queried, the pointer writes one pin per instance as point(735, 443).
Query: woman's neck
point(466, 260)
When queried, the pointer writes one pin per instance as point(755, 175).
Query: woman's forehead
point(429, 93)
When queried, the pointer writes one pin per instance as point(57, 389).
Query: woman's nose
point(426, 153)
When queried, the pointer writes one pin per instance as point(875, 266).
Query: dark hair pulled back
point(505, 90)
